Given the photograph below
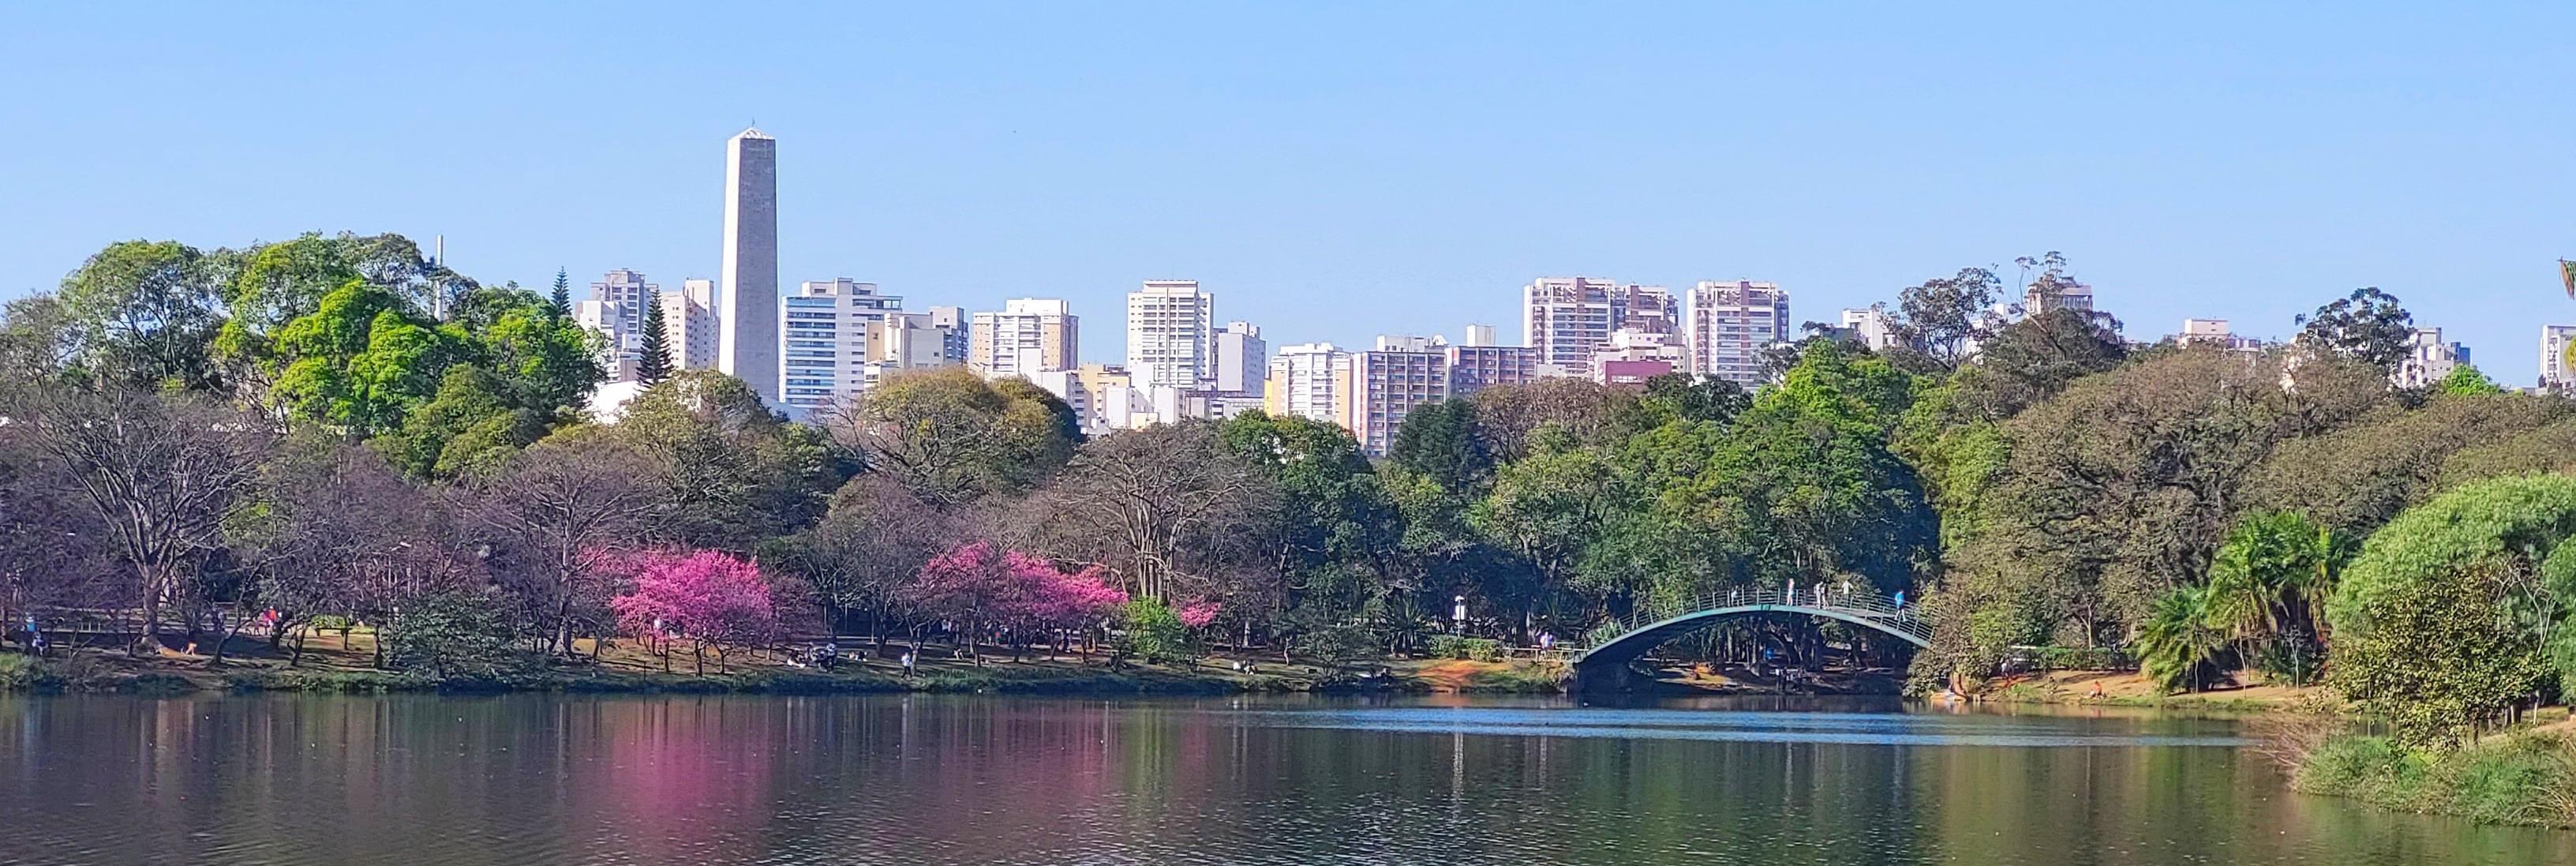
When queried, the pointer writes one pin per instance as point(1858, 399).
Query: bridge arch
point(1607, 661)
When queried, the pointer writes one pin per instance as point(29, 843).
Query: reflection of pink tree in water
point(710, 599)
point(977, 586)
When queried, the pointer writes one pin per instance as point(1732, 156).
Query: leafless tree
point(553, 518)
point(342, 532)
point(1166, 508)
point(159, 469)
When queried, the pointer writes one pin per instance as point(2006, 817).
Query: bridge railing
point(1858, 603)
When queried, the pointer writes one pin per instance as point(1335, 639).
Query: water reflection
point(722, 779)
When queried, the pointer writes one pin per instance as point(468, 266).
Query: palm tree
point(2177, 640)
point(2268, 582)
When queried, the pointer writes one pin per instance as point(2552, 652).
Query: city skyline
point(2272, 169)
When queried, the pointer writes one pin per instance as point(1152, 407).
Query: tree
point(1441, 442)
point(873, 541)
point(2465, 381)
point(971, 586)
point(710, 599)
point(1810, 465)
point(1168, 510)
point(467, 427)
point(2369, 327)
point(1508, 417)
point(1334, 532)
point(730, 471)
point(160, 470)
point(952, 437)
point(1942, 317)
point(2176, 643)
point(560, 303)
point(144, 314)
point(360, 361)
point(2358, 477)
point(654, 363)
point(2442, 622)
point(453, 634)
point(2035, 358)
point(554, 518)
point(1695, 398)
point(2268, 587)
point(333, 529)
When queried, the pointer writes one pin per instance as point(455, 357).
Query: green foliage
point(1441, 442)
point(1450, 646)
point(144, 313)
point(2439, 623)
point(2358, 477)
point(2465, 381)
point(2370, 327)
point(2268, 584)
point(1152, 631)
point(2176, 644)
point(952, 437)
point(2520, 779)
point(456, 635)
point(653, 363)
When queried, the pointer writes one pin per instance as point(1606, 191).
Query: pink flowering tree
point(980, 588)
point(1199, 614)
point(712, 600)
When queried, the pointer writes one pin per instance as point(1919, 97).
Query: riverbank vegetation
point(206, 448)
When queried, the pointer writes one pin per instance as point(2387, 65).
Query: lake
point(304, 779)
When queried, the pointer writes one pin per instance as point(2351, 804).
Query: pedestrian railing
point(1870, 607)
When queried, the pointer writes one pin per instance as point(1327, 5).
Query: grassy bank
point(340, 665)
point(2521, 778)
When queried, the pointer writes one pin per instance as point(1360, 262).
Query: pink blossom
point(707, 597)
point(1199, 614)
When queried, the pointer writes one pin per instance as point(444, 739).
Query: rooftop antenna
point(438, 282)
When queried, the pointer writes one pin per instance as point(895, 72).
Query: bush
point(453, 636)
point(1155, 633)
point(2516, 779)
point(1450, 646)
point(2082, 658)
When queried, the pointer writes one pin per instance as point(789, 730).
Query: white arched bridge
point(1605, 662)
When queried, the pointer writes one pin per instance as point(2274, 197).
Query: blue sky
point(1339, 171)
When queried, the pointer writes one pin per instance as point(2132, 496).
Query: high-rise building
point(1871, 327)
point(909, 341)
point(1730, 323)
point(747, 341)
point(689, 324)
point(1242, 359)
point(2428, 359)
point(1310, 380)
point(1171, 334)
point(604, 319)
point(1479, 335)
point(624, 292)
point(824, 352)
point(1568, 318)
point(2555, 372)
point(1029, 336)
point(1635, 356)
point(1389, 382)
point(1103, 398)
point(1474, 368)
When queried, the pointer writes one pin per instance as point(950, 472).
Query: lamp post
point(1458, 615)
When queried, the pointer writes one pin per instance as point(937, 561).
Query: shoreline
point(94, 671)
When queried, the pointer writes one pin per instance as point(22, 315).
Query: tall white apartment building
point(604, 319)
point(1029, 336)
point(2428, 359)
point(2215, 332)
point(1872, 327)
point(2065, 295)
point(2555, 373)
point(689, 325)
point(747, 332)
point(1171, 334)
point(824, 351)
point(1242, 359)
point(1389, 382)
point(624, 293)
point(1730, 323)
point(1568, 318)
point(909, 341)
point(1310, 380)
point(1479, 335)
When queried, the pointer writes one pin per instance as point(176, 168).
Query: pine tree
point(563, 293)
point(655, 364)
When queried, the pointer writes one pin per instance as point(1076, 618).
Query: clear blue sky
point(1334, 172)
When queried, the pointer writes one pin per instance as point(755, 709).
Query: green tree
point(1943, 316)
point(2268, 587)
point(1441, 442)
point(2441, 623)
point(144, 313)
point(467, 427)
point(2355, 478)
point(360, 360)
point(953, 437)
point(2370, 326)
point(1336, 534)
point(654, 362)
point(560, 302)
point(2176, 644)
point(729, 471)
point(2465, 381)
point(1811, 465)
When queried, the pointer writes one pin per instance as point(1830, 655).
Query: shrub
point(453, 635)
point(1155, 633)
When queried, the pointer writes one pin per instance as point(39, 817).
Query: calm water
point(914, 780)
